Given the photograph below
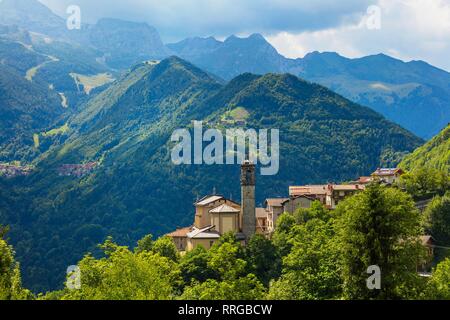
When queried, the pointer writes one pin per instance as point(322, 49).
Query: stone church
point(216, 215)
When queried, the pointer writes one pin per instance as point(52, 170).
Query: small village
point(76, 170)
point(12, 170)
point(216, 215)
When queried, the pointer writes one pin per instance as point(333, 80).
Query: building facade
point(216, 215)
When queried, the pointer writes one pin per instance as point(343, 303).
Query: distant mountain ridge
point(123, 43)
point(33, 16)
point(415, 94)
point(126, 43)
point(233, 56)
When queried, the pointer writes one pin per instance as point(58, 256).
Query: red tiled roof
point(347, 187)
point(180, 233)
point(308, 190)
point(365, 179)
point(224, 209)
point(208, 200)
point(276, 202)
point(387, 172)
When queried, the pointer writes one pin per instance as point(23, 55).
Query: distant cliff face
point(33, 16)
point(126, 43)
point(232, 57)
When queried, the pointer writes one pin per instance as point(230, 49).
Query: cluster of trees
point(425, 183)
point(314, 254)
point(10, 280)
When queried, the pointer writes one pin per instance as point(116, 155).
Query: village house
point(329, 195)
point(364, 180)
point(316, 192)
point(262, 221)
point(338, 193)
point(387, 176)
point(274, 209)
point(429, 243)
point(14, 170)
point(179, 237)
point(294, 203)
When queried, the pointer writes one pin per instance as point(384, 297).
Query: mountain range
point(413, 94)
point(135, 189)
point(103, 106)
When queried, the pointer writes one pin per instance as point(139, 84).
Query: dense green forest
point(38, 91)
point(136, 189)
point(434, 154)
point(314, 254)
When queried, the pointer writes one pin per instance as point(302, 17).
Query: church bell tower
point(248, 201)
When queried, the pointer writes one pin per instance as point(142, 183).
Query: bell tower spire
point(248, 202)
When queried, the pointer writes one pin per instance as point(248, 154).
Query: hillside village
point(11, 170)
point(216, 215)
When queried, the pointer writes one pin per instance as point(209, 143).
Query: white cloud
point(221, 17)
point(410, 29)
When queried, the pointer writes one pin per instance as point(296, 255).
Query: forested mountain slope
point(434, 154)
point(135, 189)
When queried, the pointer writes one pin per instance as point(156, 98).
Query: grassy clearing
point(238, 114)
point(89, 83)
point(57, 131)
point(32, 72)
point(36, 140)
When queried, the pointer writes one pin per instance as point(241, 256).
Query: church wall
point(205, 243)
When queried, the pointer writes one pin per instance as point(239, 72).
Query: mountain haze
point(125, 43)
point(33, 16)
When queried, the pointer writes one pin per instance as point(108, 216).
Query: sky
point(405, 29)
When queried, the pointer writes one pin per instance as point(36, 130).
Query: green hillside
point(136, 190)
point(25, 109)
point(435, 154)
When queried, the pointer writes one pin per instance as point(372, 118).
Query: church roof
point(204, 233)
point(207, 200)
point(224, 209)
